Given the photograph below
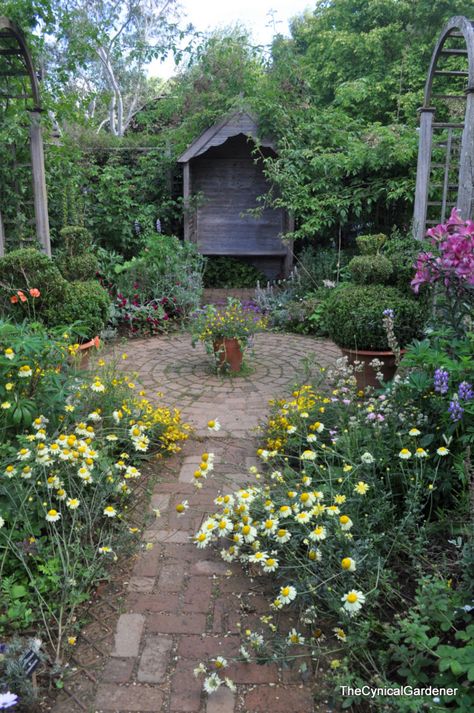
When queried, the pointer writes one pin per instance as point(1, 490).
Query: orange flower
point(34, 292)
point(14, 299)
point(22, 296)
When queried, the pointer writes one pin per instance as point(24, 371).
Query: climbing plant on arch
point(19, 87)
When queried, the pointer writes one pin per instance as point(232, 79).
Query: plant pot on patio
point(228, 354)
point(367, 375)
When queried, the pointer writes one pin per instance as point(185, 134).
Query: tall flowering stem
point(449, 265)
point(388, 323)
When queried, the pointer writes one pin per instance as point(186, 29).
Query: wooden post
point(423, 172)
point(39, 182)
point(2, 237)
point(186, 194)
point(466, 173)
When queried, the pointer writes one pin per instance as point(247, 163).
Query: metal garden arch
point(16, 62)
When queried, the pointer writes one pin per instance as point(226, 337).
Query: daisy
point(282, 535)
point(24, 372)
point(249, 533)
point(214, 425)
point(345, 522)
point(421, 453)
point(110, 511)
point(98, 386)
point(285, 510)
point(258, 557)
point(308, 455)
point(201, 539)
point(269, 526)
point(220, 662)
point(348, 564)
point(294, 637)
point(52, 515)
point(212, 683)
point(182, 507)
point(270, 564)
point(367, 458)
point(307, 499)
point(442, 451)
point(318, 534)
point(199, 670)
point(353, 601)
point(287, 594)
point(340, 633)
point(73, 503)
point(404, 454)
point(311, 438)
point(224, 526)
point(361, 488)
point(9, 353)
point(414, 432)
point(303, 517)
point(318, 427)
point(23, 454)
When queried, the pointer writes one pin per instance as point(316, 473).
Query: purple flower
point(389, 313)
point(440, 381)
point(455, 410)
point(465, 391)
point(7, 700)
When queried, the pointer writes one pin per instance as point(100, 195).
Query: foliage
point(370, 269)
point(371, 244)
point(162, 283)
point(85, 309)
point(354, 314)
point(27, 269)
point(78, 267)
point(67, 476)
point(230, 272)
point(402, 250)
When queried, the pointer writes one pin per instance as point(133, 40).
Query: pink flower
point(34, 292)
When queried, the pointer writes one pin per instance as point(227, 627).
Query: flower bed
point(73, 447)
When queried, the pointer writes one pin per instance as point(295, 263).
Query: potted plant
point(226, 331)
point(357, 317)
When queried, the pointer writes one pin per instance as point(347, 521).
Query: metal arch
point(466, 27)
point(17, 35)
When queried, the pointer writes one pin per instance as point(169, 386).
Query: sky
point(263, 17)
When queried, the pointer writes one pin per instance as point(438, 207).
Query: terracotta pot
point(85, 352)
point(367, 376)
point(228, 354)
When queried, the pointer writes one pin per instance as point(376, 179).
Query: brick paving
point(185, 605)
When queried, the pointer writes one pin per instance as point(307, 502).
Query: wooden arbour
point(16, 63)
point(447, 181)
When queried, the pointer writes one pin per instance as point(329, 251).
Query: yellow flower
point(71, 640)
point(405, 454)
point(361, 488)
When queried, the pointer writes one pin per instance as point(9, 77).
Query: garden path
point(183, 605)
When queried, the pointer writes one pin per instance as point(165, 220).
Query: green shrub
point(402, 251)
point(27, 269)
point(78, 267)
point(370, 269)
point(354, 316)
point(75, 239)
point(318, 264)
point(86, 303)
point(230, 272)
point(371, 244)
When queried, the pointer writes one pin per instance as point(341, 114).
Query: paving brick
point(171, 577)
point(118, 670)
point(278, 699)
point(128, 634)
point(186, 623)
point(158, 602)
point(160, 501)
point(252, 673)
point(201, 647)
point(155, 659)
point(141, 584)
point(148, 563)
point(198, 594)
point(167, 536)
point(111, 697)
point(208, 567)
point(186, 689)
point(222, 701)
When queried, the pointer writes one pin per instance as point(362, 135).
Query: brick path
point(185, 605)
